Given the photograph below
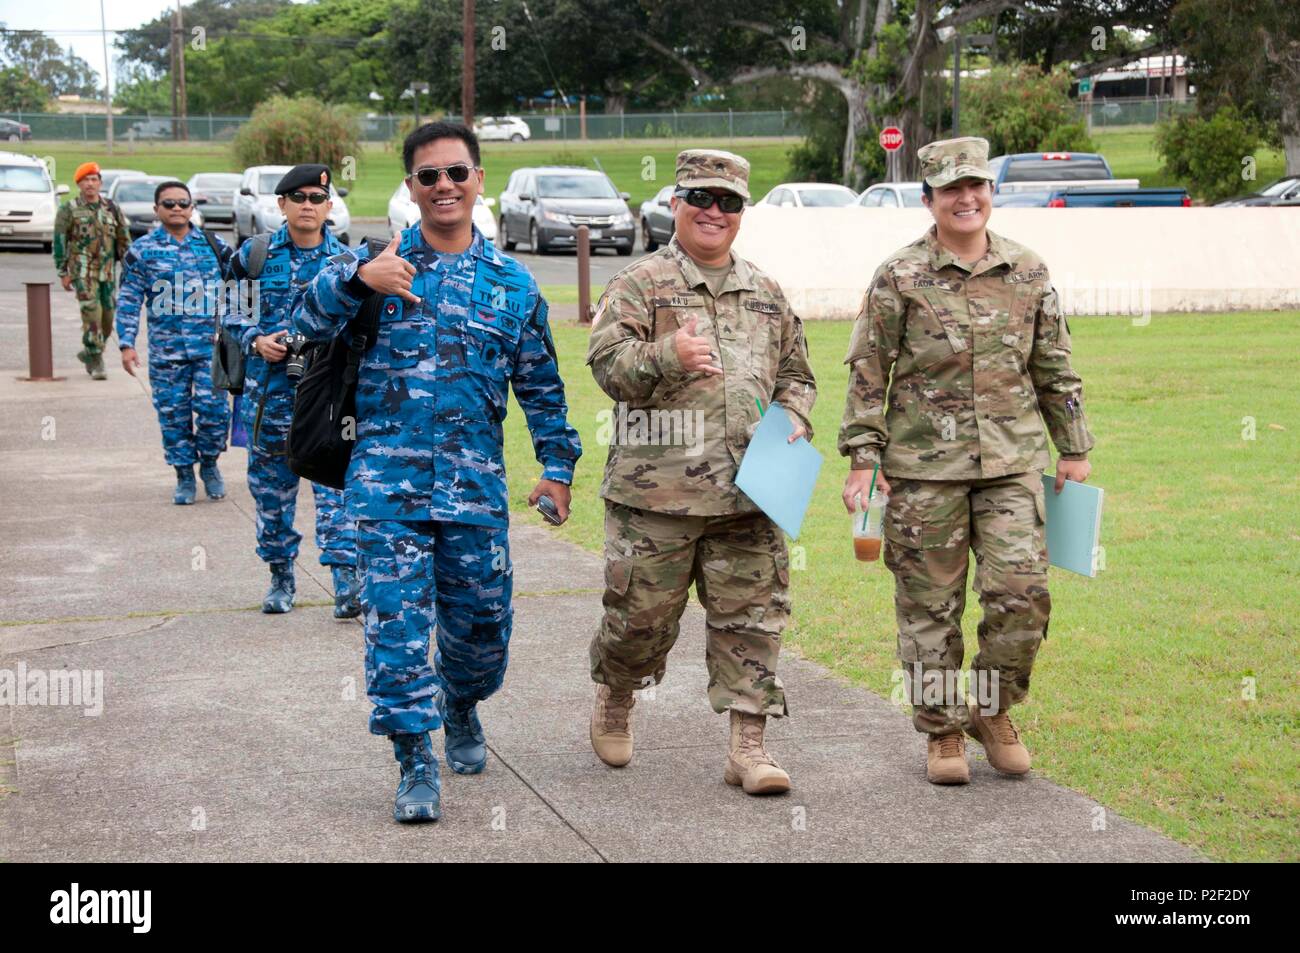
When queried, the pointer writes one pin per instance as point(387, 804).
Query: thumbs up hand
point(695, 352)
point(388, 273)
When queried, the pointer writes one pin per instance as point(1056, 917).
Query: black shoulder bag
point(324, 426)
point(228, 357)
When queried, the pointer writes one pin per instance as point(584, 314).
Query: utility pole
point(180, 63)
point(467, 68)
point(171, 50)
point(108, 88)
point(956, 85)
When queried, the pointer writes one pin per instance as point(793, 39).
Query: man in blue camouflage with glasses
point(175, 275)
point(460, 324)
point(278, 266)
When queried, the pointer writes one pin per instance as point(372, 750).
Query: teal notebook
point(779, 476)
point(1073, 525)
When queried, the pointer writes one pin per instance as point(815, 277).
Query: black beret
point(300, 175)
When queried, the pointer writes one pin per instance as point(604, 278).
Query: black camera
point(295, 361)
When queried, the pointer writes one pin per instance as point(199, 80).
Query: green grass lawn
point(1132, 155)
point(638, 167)
point(1138, 692)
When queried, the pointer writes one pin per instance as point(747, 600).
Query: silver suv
point(544, 206)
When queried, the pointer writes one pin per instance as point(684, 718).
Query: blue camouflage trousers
point(183, 391)
point(274, 488)
point(417, 576)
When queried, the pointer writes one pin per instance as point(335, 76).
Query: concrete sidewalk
point(230, 735)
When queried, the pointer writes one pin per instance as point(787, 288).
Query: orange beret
point(85, 169)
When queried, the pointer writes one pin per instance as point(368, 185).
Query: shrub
point(1205, 154)
point(284, 131)
point(1019, 108)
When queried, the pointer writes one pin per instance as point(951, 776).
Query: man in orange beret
point(90, 237)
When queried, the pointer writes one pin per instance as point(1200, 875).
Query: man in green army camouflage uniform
point(90, 236)
point(970, 328)
point(688, 341)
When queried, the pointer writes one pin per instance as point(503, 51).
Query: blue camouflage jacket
point(432, 390)
point(180, 285)
point(267, 404)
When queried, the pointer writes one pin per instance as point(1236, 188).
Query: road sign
point(1085, 86)
point(891, 138)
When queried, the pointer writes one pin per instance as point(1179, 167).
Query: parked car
point(502, 128)
point(1282, 192)
point(108, 176)
point(810, 195)
point(134, 196)
point(28, 201)
point(892, 195)
point(657, 222)
point(215, 191)
point(544, 206)
point(1038, 179)
point(14, 131)
point(257, 209)
point(403, 213)
point(150, 129)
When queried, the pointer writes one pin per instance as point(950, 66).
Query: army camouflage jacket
point(975, 356)
point(676, 438)
point(89, 239)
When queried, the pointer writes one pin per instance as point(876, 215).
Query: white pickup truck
point(1028, 179)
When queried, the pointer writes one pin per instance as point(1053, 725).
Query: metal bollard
point(40, 346)
point(584, 275)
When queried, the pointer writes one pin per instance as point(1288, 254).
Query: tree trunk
point(859, 119)
point(1291, 139)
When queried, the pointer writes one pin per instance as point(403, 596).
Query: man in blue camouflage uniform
point(175, 274)
point(280, 266)
point(460, 323)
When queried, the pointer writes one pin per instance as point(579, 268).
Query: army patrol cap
point(300, 175)
point(713, 169)
point(948, 160)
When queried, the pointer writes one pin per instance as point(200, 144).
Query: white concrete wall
point(1102, 261)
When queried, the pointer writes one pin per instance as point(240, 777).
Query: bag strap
point(257, 253)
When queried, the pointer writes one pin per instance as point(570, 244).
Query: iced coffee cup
point(867, 527)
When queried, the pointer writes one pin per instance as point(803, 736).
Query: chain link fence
point(557, 126)
point(1142, 111)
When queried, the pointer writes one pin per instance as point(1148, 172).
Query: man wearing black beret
point(280, 263)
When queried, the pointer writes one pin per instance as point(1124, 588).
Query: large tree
point(1246, 53)
point(61, 72)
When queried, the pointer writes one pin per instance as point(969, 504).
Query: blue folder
point(779, 476)
point(1073, 525)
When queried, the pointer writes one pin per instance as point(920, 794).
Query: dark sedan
point(14, 131)
point(1282, 192)
point(215, 192)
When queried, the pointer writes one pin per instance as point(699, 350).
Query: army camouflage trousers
point(421, 575)
point(930, 527)
point(274, 488)
point(97, 300)
point(193, 415)
point(741, 572)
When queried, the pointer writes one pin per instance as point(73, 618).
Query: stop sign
point(891, 138)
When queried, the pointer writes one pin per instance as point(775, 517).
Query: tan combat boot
point(747, 763)
point(1001, 741)
point(611, 726)
point(945, 759)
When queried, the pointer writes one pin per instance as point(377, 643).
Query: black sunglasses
point(457, 173)
point(315, 198)
point(175, 203)
point(700, 198)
